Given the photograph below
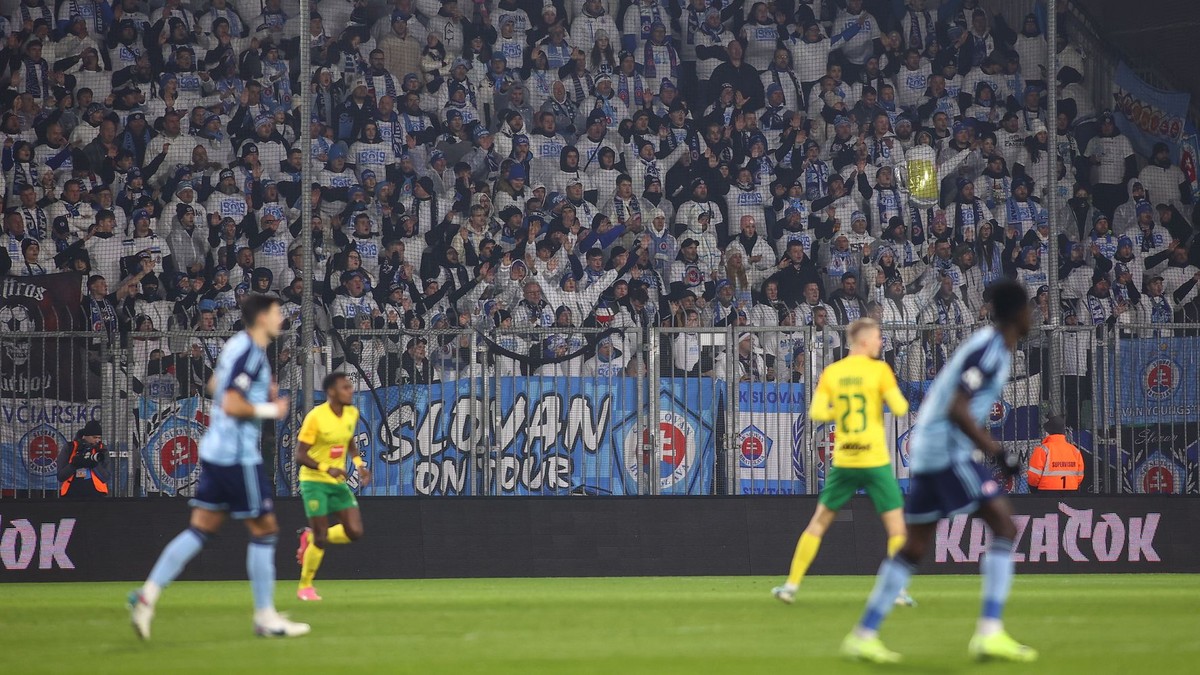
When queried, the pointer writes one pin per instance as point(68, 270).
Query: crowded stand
point(573, 173)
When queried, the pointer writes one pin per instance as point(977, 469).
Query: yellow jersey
point(330, 436)
point(851, 394)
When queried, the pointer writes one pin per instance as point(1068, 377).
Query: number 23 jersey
point(851, 394)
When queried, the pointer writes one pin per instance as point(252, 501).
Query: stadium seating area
point(569, 164)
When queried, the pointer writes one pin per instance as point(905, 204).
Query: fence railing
point(594, 411)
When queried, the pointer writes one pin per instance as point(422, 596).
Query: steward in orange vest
point(1055, 464)
point(83, 465)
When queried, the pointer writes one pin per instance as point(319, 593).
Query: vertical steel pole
point(651, 388)
point(1115, 365)
point(733, 387)
point(1056, 396)
point(810, 427)
point(308, 310)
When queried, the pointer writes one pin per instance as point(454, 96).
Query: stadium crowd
point(526, 163)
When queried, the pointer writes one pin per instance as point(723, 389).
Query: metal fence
point(575, 411)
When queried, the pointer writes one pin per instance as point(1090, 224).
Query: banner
point(1157, 381)
point(540, 436)
point(58, 540)
point(771, 439)
point(32, 431)
point(1088, 531)
point(166, 436)
point(1147, 115)
point(1189, 164)
point(774, 444)
point(42, 367)
point(1161, 458)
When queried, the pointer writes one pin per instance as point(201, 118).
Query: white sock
point(865, 633)
point(265, 615)
point(791, 587)
point(987, 627)
point(150, 592)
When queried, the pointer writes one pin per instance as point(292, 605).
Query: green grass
point(1082, 624)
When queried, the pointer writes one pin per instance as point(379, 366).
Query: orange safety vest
point(1055, 465)
point(100, 485)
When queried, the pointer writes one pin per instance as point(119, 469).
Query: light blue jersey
point(242, 367)
point(979, 368)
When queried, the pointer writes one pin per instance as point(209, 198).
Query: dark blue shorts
point(242, 490)
point(959, 488)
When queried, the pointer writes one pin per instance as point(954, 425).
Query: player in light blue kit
point(947, 480)
point(232, 481)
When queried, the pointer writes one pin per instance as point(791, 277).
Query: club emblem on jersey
point(1161, 379)
point(754, 446)
point(676, 452)
point(39, 450)
point(1158, 474)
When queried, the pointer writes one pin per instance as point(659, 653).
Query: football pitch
point(1081, 624)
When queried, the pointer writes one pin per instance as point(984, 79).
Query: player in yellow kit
point(851, 394)
point(326, 440)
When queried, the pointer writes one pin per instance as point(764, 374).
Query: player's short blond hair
point(856, 328)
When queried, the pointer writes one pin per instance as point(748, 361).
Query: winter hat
point(1124, 241)
point(92, 428)
point(516, 172)
point(426, 184)
point(1036, 127)
point(1144, 207)
point(337, 151)
point(500, 316)
point(1055, 424)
